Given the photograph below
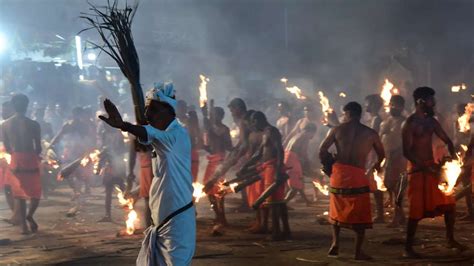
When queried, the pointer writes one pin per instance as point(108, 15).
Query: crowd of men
point(270, 163)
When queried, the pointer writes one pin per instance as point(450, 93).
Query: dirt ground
point(80, 240)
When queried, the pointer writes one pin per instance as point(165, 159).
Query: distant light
point(3, 43)
point(81, 77)
point(284, 80)
point(91, 56)
point(60, 37)
point(79, 52)
point(342, 95)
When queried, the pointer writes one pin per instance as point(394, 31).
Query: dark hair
point(248, 114)
point(238, 103)
point(157, 107)
point(259, 116)
point(310, 127)
point(376, 100)
point(353, 108)
point(219, 112)
point(398, 100)
point(20, 103)
point(423, 93)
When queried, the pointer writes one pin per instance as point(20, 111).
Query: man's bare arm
point(439, 131)
point(407, 140)
point(379, 150)
point(326, 144)
point(37, 139)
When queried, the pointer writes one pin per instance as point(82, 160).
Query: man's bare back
point(22, 134)
point(272, 145)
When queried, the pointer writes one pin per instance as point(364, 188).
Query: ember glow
point(297, 92)
point(234, 133)
point(197, 192)
point(342, 95)
point(5, 156)
point(326, 108)
point(203, 90)
point(463, 121)
point(284, 80)
point(379, 180)
point(388, 90)
point(324, 189)
point(93, 158)
point(232, 186)
point(451, 171)
point(132, 217)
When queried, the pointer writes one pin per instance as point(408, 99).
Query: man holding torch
point(171, 240)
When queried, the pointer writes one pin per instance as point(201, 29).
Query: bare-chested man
point(22, 139)
point(270, 157)
point(349, 185)
point(217, 144)
point(285, 121)
point(310, 116)
point(426, 200)
point(46, 127)
point(296, 157)
point(373, 105)
point(391, 135)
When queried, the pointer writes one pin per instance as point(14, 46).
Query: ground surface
point(80, 240)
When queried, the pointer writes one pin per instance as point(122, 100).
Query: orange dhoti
point(214, 160)
point(146, 173)
point(269, 175)
point(296, 171)
point(426, 200)
point(25, 167)
point(195, 164)
point(349, 202)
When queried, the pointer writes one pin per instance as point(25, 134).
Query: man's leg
point(221, 211)
point(21, 207)
point(148, 220)
point(34, 203)
point(276, 231)
point(285, 222)
point(359, 254)
point(303, 196)
point(108, 204)
point(290, 195)
point(213, 202)
point(334, 249)
point(411, 231)
point(378, 197)
point(9, 196)
point(449, 220)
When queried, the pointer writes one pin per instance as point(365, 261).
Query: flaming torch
point(297, 92)
point(203, 90)
point(388, 90)
point(324, 101)
point(457, 88)
point(379, 180)
point(198, 191)
point(132, 217)
point(322, 188)
point(451, 171)
point(463, 120)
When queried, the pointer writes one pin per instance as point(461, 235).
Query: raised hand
point(114, 119)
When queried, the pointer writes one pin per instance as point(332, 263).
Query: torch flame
point(463, 120)
point(324, 101)
point(197, 192)
point(203, 90)
point(452, 170)
point(132, 217)
point(323, 189)
point(232, 186)
point(234, 133)
point(457, 88)
point(297, 92)
point(5, 156)
point(388, 90)
point(284, 80)
point(342, 95)
point(379, 180)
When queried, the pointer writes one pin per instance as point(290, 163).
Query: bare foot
point(333, 251)
point(456, 245)
point(411, 254)
point(106, 219)
point(32, 223)
point(25, 230)
point(362, 256)
point(11, 221)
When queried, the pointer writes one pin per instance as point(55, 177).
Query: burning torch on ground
point(132, 217)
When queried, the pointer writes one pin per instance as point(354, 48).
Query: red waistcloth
point(195, 164)
point(214, 160)
point(349, 210)
point(426, 200)
point(146, 173)
point(25, 167)
point(295, 170)
point(269, 172)
point(4, 173)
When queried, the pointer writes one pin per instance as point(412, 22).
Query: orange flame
point(132, 217)
point(324, 101)
point(203, 90)
point(197, 192)
point(323, 189)
point(451, 170)
point(457, 88)
point(5, 156)
point(388, 90)
point(297, 92)
point(379, 180)
point(463, 121)
point(234, 133)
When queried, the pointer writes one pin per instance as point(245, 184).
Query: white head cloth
point(162, 92)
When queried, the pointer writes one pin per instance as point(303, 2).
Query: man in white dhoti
point(171, 240)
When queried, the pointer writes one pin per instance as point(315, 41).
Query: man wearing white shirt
point(171, 240)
